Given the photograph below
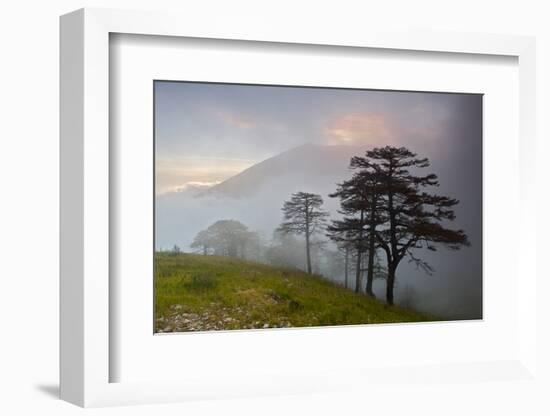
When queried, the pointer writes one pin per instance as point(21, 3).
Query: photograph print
point(291, 207)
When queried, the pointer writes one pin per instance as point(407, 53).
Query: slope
point(197, 293)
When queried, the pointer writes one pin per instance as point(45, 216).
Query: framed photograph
point(249, 212)
point(277, 206)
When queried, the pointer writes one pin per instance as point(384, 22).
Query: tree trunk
point(390, 283)
point(358, 265)
point(371, 249)
point(370, 273)
point(346, 263)
point(308, 256)
point(358, 271)
point(392, 265)
point(204, 250)
point(370, 269)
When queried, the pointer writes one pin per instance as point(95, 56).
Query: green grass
point(197, 293)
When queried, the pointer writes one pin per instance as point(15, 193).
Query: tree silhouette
point(203, 240)
point(345, 247)
point(413, 217)
point(285, 250)
point(303, 215)
point(176, 249)
point(361, 206)
point(225, 238)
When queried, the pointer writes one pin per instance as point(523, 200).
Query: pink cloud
point(360, 128)
point(237, 121)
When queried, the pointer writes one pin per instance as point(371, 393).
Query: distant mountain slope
point(309, 166)
point(200, 293)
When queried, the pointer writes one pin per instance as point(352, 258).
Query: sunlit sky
point(206, 133)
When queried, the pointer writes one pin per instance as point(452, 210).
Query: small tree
point(252, 247)
point(203, 241)
point(345, 249)
point(360, 203)
point(176, 249)
point(225, 238)
point(303, 215)
point(345, 244)
point(285, 250)
point(342, 258)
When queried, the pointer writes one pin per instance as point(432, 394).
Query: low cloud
point(195, 185)
point(178, 174)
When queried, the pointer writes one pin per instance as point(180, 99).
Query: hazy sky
point(206, 133)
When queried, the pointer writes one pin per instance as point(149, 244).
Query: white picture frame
point(85, 353)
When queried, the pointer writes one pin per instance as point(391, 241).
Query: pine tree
point(414, 219)
point(360, 206)
point(303, 215)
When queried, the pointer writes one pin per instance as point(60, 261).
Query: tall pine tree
point(361, 208)
point(303, 215)
point(414, 218)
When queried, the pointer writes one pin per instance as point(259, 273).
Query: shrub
point(200, 282)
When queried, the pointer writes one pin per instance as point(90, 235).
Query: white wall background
point(29, 208)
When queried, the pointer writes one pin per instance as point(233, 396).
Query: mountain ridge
point(311, 162)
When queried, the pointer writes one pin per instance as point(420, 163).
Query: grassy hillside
point(197, 293)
